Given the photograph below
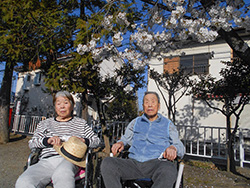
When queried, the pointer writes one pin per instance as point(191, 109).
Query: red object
point(10, 112)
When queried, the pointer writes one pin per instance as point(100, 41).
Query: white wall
point(108, 66)
point(39, 103)
point(196, 113)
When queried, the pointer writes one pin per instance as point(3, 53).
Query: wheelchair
point(84, 177)
point(116, 131)
point(147, 182)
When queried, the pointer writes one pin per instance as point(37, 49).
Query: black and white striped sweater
point(51, 127)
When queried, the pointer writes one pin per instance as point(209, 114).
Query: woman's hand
point(82, 139)
point(55, 140)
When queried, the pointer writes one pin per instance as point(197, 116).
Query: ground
point(197, 174)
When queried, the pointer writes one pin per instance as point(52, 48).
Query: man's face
point(151, 105)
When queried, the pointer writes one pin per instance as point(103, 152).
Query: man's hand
point(170, 153)
point(55, 140)
point(117, 147)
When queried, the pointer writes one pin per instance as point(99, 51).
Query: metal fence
point(210, 142)
point(200, 141)
point(26, 125)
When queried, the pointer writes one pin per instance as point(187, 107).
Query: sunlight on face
point(151, 106)
point(63, 108)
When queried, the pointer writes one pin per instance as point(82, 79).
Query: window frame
point(203, 67)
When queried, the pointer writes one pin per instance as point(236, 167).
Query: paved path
point(13, 156)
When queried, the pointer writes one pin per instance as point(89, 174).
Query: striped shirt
point(51, 127)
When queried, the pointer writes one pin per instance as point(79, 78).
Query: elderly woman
point(52, 132)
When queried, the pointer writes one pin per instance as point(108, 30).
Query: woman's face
point(63, 108)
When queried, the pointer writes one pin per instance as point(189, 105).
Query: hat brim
point(81, 163)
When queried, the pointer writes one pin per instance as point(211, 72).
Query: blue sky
point(2, 67)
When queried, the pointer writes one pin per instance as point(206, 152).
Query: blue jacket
point(148, 140)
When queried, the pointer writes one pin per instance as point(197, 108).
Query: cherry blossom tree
point(144, 29)
point(164, 25)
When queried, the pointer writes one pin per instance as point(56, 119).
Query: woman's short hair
point(151, 92)
point(64, 94)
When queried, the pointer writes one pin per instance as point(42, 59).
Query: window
point(191, 64)
point(171, 64)
point(37, 79)
point(26, 81)
point(28, 77)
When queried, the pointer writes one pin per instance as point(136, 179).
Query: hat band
point(67, 154)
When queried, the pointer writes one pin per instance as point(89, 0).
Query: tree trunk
point(84, 103)
point(231, 37)
point(82, 10)
point(230, 151)
point(169, 107)
point(235, 41)
point(105, 132)
point(5, 102)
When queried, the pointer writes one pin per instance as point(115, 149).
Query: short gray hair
point(151, 92)
point(64, 94)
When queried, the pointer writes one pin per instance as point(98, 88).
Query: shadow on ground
point(197, 173)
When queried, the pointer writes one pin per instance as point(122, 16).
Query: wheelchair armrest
point(33, 156)
point(179, 175)
point(124, 153)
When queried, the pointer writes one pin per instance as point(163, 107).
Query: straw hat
point(73, 150)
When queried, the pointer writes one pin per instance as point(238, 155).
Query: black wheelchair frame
point(147, 183)
point(86, 182)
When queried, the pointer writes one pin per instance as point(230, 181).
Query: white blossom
point(133, 26)
point(108, 22)
point(157, 18)
point(101, 53)
point(183, 35)
point(122, 19)
point(92, 44)
point(178, 12)
point(144, 40)
point(117, 39)
point(204, 35)
point(183, 22)
point(133, 57)
point(163, 36)
point(171, 23)
point(81, 49)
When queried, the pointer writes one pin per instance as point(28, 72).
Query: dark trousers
point(162, 173)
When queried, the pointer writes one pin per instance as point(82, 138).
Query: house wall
point(194, 112)
point(107, 68)
point(36, 102)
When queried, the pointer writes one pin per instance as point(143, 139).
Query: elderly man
point(154, 144)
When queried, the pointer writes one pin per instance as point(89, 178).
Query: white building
point(32, 98)
point(204, 59)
